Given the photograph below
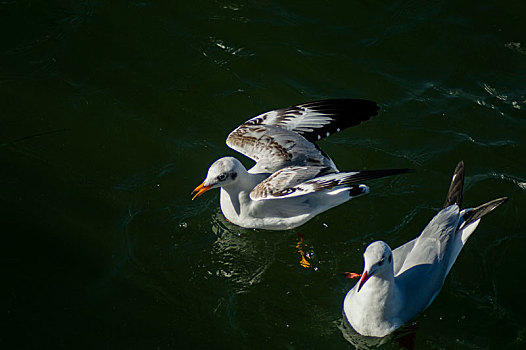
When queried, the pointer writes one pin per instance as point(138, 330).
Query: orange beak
point(199, 190)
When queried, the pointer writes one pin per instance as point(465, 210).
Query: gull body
point(293, 180)
point(280, 214)
point(397, 285)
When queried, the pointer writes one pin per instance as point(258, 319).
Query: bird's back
point(426, 261)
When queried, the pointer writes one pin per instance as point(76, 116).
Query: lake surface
point(112, 111)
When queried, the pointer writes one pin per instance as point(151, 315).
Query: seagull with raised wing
point(398, 285)
point(293, 180)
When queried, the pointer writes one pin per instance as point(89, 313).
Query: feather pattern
point(283, 181)
point(290, 182)
point(274, 148)
point(285, 137)
point(289, 165)
point(319, 119)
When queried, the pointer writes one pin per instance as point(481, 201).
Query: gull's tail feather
point(454, 195)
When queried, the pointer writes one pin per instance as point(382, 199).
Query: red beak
point(199, 190)
point(364, 279)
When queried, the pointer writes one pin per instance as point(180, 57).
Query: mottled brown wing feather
point(274, 148)
point(291, 182)
point(283, 181)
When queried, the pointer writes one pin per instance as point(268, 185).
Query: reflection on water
point(304, 256)
point(240, 255)
point(402, 338)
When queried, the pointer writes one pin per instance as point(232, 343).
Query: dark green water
point(111, 113)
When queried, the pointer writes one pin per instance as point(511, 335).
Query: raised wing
point(424, 268)
point(430, 256)
point(287, 182)
point(454, 194)
point(432, 244)
point(274, 148)
point(472, 215)
point(319, 119)
point(470, 219)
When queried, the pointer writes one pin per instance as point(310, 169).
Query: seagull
point(397, 285)
point(293, 180)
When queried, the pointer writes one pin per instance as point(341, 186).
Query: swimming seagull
point(293, 180)
point(397, 285)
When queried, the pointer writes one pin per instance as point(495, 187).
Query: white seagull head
point(221, 173)
point(378, 261)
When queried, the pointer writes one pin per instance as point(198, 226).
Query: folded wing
point(299, 181)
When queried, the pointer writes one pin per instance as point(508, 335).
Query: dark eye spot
point(221, 177)
point(381, 262)
point(234, 175)
point(390, 258)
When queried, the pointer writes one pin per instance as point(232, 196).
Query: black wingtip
point(454, 194)
point(478, 212)
point(357, 190)
point(346, 112)
point(366, 175)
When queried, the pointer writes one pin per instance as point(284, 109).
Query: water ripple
point(240, 255)
point(515, 46)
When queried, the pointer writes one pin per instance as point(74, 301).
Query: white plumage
point(398, 285)
point(293, 180)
